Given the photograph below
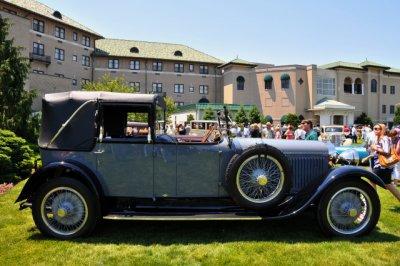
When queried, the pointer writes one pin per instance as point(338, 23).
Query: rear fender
point(56, 169)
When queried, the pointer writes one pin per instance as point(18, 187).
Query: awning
point(268, 78)
point(285, 76)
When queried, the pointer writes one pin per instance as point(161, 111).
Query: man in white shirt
point(299, 133)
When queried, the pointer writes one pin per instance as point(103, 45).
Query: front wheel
point(348, 209)
point(65, 208)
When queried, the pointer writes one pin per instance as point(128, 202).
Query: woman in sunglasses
point(382, 146)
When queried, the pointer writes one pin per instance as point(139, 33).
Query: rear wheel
point(65, 208)
point(350, 208)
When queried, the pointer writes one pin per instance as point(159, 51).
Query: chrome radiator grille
point(307, 168)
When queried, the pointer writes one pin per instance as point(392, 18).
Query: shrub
point(16, 157)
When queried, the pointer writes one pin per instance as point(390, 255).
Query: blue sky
point(278, 32)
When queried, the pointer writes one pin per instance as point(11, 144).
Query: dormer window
point(134, 50)
point(57, 14)
point(178, 53)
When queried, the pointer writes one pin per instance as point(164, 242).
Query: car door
point(165, 161)
point(197, 170)
point(126, 168)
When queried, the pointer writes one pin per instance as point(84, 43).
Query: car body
point(93, 168)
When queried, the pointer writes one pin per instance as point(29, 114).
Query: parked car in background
point(92, 170)
point(332, 133)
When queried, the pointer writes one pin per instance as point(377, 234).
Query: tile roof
point(368, 63)
point(239, 61)
point(341, 64)
point(153, 50)
point(393, 71)
point(332, 104)
point(43, 10)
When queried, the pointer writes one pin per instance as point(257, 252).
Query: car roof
point(103, 96)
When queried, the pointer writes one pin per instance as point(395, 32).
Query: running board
point(183, 217)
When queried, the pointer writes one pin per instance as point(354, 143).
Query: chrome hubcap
point(64, 210)
point(349, 210)
point(260, 178)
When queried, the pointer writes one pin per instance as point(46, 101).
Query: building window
point(134, 65)
point(179, 88)
point(285, 81)
point(392, 89)
point(203, 89)
point(191, 68)
point(157, 66)
point(240, 83)
point(326, 86)
point(74, 82)
point(85, 60)
point(203, 69)
point(38, 48)
point(383, 109)
point(391, 109)
point(59, 54)
point(59, 75)
point(75, 36)
point(191, 89)
point(157, 87)
point(135, 85)
point(358, 86)
point(41, 72)
point(85, 81)
point(38, 25)
point(86, 41)
point(374, 85)
point(75, 58)
point(179, 103)
point(384, 89)
point(59, 32)
point(178, 67)
point(178, 53)
point(113, 63)
point(347, 86)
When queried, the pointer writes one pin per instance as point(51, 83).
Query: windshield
point(334, 129)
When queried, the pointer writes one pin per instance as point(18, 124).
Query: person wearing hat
point(308, 128)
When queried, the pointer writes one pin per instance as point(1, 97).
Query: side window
point(125, 123)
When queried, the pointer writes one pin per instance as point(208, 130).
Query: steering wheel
point(207, 135)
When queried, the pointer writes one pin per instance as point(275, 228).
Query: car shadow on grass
point(303, 229)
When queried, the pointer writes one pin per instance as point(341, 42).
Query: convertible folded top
point(79, 109)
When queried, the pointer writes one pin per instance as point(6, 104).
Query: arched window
point(358, 86)
point(268, 82)
point(204, 100)
point(240, 83)
point(347, 86)
point(374, 85)
point(57, 14)
point(285, 81)
point(178, 53)
point(134, 50)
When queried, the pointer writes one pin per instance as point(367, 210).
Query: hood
point(286, 146)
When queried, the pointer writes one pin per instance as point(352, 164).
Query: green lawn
point(296, 241)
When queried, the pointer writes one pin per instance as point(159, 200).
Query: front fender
point(54, 169)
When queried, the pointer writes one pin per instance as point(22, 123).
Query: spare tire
point(259, 178)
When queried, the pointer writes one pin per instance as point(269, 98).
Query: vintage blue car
point(103, 159)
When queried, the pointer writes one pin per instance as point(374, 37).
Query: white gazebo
point(332, 112)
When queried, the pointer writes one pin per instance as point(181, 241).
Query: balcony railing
point(41, 58)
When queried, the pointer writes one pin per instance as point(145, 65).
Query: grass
point(295, 242)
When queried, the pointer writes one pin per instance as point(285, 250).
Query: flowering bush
point(4, 187)
point(16, 157)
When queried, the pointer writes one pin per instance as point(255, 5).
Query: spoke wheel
point(259, 178)
point(349, 208)
point(65, 208)
point(64, 211)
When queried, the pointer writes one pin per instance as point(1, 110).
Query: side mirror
point(149, 136)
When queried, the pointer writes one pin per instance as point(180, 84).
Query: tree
point(15, 102)
point(254, 115)
point(189, 118)
point(292, 119)
point(269, 118)
point(241, 116)
point(208, 114)
point(363, 119)
point(283, 119)
point(108, 83)
point(396, 119)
